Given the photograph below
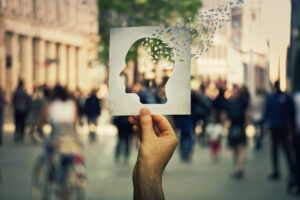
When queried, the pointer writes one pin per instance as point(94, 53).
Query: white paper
point(177, 87)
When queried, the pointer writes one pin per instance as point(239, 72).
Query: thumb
point(146, 122)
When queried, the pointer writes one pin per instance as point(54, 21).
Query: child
point(214, 132)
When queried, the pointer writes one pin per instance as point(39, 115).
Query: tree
point(122, 13)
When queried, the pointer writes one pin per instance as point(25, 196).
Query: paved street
point(200, 179)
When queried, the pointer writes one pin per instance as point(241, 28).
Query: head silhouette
point(149, 65)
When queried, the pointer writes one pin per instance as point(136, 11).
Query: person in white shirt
point(61, 113)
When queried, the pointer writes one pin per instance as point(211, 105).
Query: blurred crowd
point(149, 92)
point(29, 110)
point(218, 112)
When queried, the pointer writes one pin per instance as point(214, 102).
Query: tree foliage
point(122, 13)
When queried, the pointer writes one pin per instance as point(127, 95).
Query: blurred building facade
point(213, 64)
point(239, 53)
point(47, 42)
point(254, 47)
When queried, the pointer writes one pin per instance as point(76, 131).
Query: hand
point(158, 142)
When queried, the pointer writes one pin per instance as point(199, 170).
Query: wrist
point(146, 172)
point(147, 183)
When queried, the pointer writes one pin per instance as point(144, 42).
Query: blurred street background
point(241, 140)
point(200, 179)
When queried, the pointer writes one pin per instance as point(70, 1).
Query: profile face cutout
point(149, 65)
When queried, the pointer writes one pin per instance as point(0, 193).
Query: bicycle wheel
point(76, 182)
point(43, 180)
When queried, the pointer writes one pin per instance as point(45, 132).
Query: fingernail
point(144, 111)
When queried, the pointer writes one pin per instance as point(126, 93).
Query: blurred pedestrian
point(258, 105)
point(147, 93)
point(245, 94)
point(297, 140)
point(80, 105)
point(279, 110)
point(237, 113)
point(36, 105)
point(2, 113)
point(62, 156)
point(21, 104)
point(124, 138)
point(219, 103)
point(214, 131)
point(61, 112)
point(200, 109)
point(185, 124)
point(46, 92)
point(92, 109)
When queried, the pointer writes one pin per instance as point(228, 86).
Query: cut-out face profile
point(149, 65)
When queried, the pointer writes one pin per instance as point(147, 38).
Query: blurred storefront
point(47, 42)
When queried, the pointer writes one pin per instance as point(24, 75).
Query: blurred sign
point(48, 61)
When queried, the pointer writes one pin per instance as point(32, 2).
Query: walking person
point(78, 97)
point(92, 109)
point(124, 138)
point(21, 104)
point(258, 105)
point(2, 113)
point(237, 113)
point(185, 124)
point(36, 105)
point(214, 131)
point(219, 103)
point(201, 106)
point(279, 110)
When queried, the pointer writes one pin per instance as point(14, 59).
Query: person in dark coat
point(279, 110)
point(124, 138)
point(92, 107)
point(200, 109)
point(21, 104)
point(219, 102)
point(36, 106)
point(185, 124)
point(237, 112)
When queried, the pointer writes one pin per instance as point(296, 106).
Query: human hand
point(158, 142)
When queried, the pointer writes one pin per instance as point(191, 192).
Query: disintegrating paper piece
point(177, 88)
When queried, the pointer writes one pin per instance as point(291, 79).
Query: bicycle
point(59, 173)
